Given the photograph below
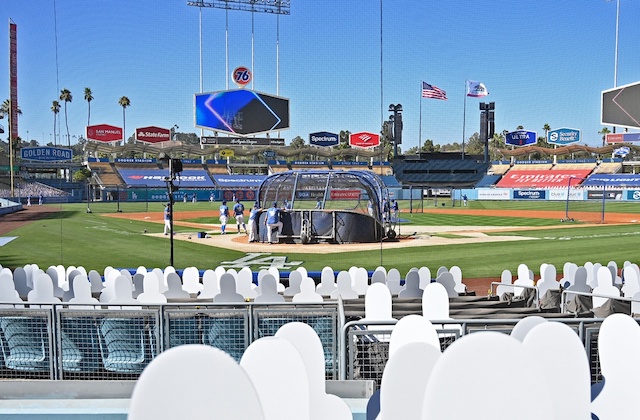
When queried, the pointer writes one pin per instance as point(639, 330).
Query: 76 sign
point(241, 76)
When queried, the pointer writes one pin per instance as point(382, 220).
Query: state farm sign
point(104, 132)
point(364, 139)
point(153, 134)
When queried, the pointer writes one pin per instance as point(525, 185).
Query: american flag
point(430, 91)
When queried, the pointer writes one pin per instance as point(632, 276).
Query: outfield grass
point(74, 237)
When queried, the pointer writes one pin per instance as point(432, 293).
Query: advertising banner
point(493, 194)
point(541, 179)
point(562, 194)
point(608, 194)
point(613, 180)
point(242, 141)
point(156, 178)
point(344, 194)
point(521, 138)
point(633, 195)
point(323, 139)
point(238, 181)
point(153, 134)
point(529, 194)
point(622, 138)
point(364, 139)
point(563, 136)
point(104, 132)
point(46, 154)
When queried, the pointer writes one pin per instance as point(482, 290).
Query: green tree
point(475, 146)
point(297, 143)
point(604, 133)
point(124, 102)
point(55, 108)
point(65, 95)
point(5, 110)
point(81, 175)
point(88, 96)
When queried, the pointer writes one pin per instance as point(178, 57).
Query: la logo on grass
point(261, 260)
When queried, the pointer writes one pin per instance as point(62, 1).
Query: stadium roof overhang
point(565, 150)
point(176, 148)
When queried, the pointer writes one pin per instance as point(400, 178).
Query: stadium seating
point(105, 173)
point(608, 168)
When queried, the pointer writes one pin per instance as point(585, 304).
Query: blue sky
point(543, 62)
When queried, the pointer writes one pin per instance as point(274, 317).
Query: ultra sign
point(521, 138)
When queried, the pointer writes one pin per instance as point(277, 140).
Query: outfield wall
point(553, 194)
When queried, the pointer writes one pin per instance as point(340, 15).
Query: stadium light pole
point(615, 53)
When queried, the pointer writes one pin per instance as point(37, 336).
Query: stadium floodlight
point(278, 7)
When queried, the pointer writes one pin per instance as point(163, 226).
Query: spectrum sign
point(104, 132)
point(153, 134)
point(323, 139)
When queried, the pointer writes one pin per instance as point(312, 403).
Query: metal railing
point(67, 341)
point(366, 344)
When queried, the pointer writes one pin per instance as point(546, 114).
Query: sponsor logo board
point(153, 134)
point(563, 194)
point(104, 132)
point(344, 194)
point(364, 139)
point(323, 139)
point(493, 194)
point(46, 154)
point(633, 195)
point(242, 141)
point(563, 136)
point(608, 195)
point(529, 194)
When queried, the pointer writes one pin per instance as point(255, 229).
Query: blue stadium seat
point(123, 345)
point(27, 342)
point(226, 333)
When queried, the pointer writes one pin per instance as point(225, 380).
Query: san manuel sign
point(46, 154)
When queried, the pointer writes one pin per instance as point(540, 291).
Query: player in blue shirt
point(254, 214)
point(395, 209)
point(167, 219)
point(238, 211)
point(273, 220)
point(224, 217)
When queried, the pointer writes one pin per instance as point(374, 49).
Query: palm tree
point(65, 95)
point(546, 129)
point(88, 96)
point(55, 108)
point(604, 133)
point(124, 103)
point(5, 111)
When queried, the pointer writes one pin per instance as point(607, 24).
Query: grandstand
point(608, 168)
point(216, 168)
point(440, 170)
point(104, 173)
point(499, 168)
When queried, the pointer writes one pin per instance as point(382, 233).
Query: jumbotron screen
point(241, 112)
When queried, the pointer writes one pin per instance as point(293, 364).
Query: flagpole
point(464, 117)
point(420, 129)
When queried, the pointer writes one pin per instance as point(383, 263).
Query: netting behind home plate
point(587, 203)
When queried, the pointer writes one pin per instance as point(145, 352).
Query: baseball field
point(482, 239)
